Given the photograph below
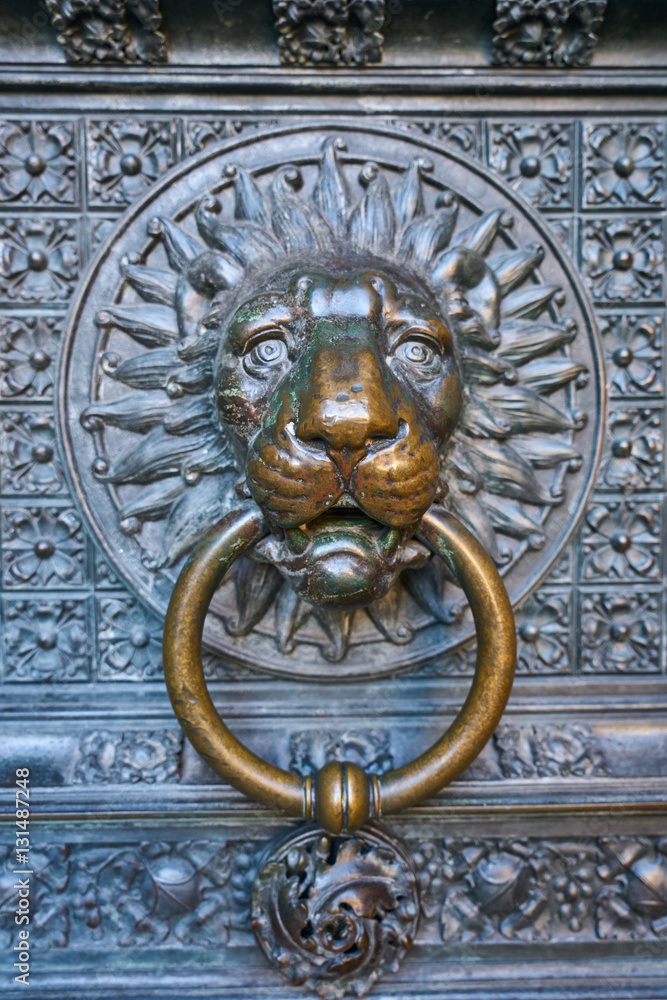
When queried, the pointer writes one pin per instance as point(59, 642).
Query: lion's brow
point(273, 318)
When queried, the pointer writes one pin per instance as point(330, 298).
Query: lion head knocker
point(344, 359)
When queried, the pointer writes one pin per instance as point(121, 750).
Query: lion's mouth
point(342, 527)
point(343, 557)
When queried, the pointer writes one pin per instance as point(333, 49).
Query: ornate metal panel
point(543, 868)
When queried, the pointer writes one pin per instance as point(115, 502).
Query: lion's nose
point(348, 403)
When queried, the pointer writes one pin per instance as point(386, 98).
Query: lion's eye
point(267, 354)
point(419, 354)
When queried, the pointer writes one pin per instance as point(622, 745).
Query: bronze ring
point(342, 797)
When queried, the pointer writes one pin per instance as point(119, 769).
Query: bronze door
point(347, 315)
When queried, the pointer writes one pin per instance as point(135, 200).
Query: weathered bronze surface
point(341, 797)
point(345, 341)
point(542, 868)
point(336, 913)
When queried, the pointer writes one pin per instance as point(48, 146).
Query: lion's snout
point(295, 481)
point(348, 402)
point(345, 424)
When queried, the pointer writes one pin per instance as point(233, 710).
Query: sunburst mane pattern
point(504, 466)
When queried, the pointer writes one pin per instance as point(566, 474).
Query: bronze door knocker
point(358, 393)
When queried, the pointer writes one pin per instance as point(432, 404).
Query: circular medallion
point(336, 913)
point(342, 324)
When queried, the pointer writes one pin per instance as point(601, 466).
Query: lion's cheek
point(398, 485)
point(440, 406)
point(239, 410)
point(289, 490)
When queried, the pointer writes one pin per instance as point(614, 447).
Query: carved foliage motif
point(621, 632)
point(548, 751)
point(370, 750)
point(201, 133)
point(28, 458)
point(28, 351)
point(126, 156)
point(633, 904)
point(621, 541)
point(623, 259)
point(39, 259)
point(546, 32)
point(633, 352)
point(624, 164)
point(131, 895)
point(129, 640)
point(462, 136)
point(477, 891)
point(529, 890)
point(125, 31)
point(329, 32)
point(633, 456)
point(42, 546)
point(536, 160)
point(543, 631)
point(129, 757)
point(334, 914)
point(37, 162)
point(46, 640)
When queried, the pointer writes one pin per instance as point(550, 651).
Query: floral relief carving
point(488, 890)
point(98, 230)
point(546, 32)
point(621, 632)
point(105, 578)
point(129, 895)
point(543, 631)
point(634, 451)
point(46, 640)
point(129, 757)
point(39, 259)
point(462, 136)
point(504, 889)
point(562, 571)
point(623, 259)
point(129, 640)
point(548, 751)
point(202, 133)
point(460, 662)
point(28, 351)
point(624, 164)
point(126, 156)
point(558, 890)
point(37, 162)
point(333, 914)
point(633, 352)
point(621, 541)
point(371, 750)
point(125, 31)
point(563, 229)
point(42, 546)
point(536, 160)
point(28, 457)
point(633, 904)
point(329, 32)
point(218, 669)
